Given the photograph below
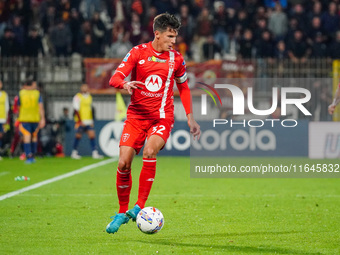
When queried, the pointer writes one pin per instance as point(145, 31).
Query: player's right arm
point(336, 101)
point(76, 107)
point(124, 69)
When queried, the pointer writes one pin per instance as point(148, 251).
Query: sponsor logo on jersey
point(141, 62)
point(126, 57)
point(153, 83)
point(121, 65)
point(155, 59)
point(149, 94)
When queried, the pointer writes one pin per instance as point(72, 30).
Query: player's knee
point(149, 152)
point(124, 164)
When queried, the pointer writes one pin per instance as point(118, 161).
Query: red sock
point(146, 178)
point(123, 184)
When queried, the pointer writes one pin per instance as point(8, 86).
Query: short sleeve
point(129, 62)
point(76, 102)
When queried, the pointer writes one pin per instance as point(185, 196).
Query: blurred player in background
point(83, 117)
point(4, 108)
point(31, 118)
point(16, 136)
point(336, 101)
point(153, 66)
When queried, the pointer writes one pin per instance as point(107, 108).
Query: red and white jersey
point(157, 70)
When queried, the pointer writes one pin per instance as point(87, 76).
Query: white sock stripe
point(148, 160)
point(124, 172)
point(123, 186)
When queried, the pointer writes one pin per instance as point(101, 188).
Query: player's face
point(84, 88)
point(167, 39)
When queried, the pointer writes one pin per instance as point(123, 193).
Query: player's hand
point(130, 85)
point(331, 109)
point(80, 124)
point(195, 129)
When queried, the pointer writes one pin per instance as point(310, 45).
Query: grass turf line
point(202, 216)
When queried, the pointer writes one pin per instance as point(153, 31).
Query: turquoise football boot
point(118, 220)
point(132, 213)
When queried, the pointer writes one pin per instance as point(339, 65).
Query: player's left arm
point(42, 121)
point(336, 101)
point(185, 95)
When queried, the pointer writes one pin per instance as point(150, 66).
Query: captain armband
point(181, 79)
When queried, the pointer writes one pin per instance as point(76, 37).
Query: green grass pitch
point(202, 216)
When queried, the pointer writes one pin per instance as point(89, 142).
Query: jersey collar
point(155, 51)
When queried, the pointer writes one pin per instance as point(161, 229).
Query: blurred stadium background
point(66, 43)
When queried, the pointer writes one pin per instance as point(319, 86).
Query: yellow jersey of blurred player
point(83, 118)
point(4, 108)
point(31, 117)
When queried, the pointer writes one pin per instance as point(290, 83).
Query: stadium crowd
point(281, 29)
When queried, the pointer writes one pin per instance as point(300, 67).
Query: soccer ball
point(150, 220)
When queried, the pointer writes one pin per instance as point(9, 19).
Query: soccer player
point(83, 117)
point(31, 118)
point(4, 108)
point(16, 139)
point(336, 101)
point(153, 66)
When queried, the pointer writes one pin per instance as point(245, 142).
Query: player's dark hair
point(29, 81)
point(164, 21)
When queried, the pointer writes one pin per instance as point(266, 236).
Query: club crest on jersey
point(125, 137)
point(153, 83)
point(171, 64)
point(158, 60)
